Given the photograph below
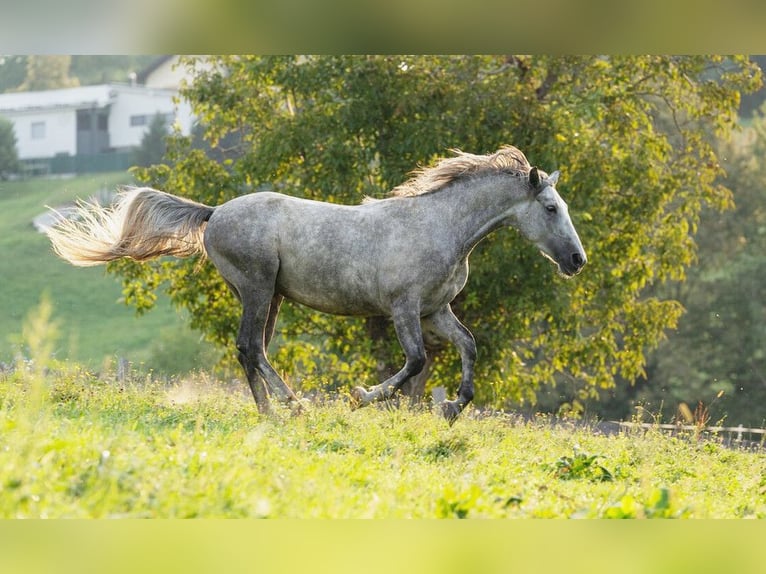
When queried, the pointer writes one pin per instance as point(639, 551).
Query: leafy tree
point(339, 128)
point(82, 70)
point(720, 344)
point(153, 144)
point(9, 156)
point(13, 69)
point(101, 69)
point(47, 73)
point(751, 102)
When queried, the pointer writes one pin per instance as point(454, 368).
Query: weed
point(625, 507)
point(580, 466)
point(454, 504)
point(700, 418)
point(443, 449)
point(658, 505)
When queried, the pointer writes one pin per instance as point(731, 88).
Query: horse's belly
point(330, 293)
point(358, 290)
point(332, 304)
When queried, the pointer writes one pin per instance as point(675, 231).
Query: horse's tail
point(143, 224)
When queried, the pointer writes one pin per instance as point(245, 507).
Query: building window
point(37, 131)
point(146, 119)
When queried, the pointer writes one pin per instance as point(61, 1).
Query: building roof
point(67, 98)
point(153, 66)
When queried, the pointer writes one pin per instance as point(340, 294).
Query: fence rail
point(736, 434)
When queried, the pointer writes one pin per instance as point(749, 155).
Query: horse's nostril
point(578, 260)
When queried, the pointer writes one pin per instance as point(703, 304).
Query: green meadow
point(78, 445)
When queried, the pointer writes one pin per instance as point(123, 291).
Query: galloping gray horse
point(403, 257)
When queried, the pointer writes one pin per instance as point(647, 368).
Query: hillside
point(93, 324)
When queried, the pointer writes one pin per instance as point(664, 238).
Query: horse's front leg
point(408, 331)
point(444, 324)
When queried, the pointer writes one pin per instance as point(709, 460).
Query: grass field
point(76, 445)
point(94, 324)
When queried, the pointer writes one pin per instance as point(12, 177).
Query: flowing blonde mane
point(507, 159)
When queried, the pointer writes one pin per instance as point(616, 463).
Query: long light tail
point(143, 224)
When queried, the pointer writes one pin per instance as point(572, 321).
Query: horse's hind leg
point(408, 331)
point(444, 324)
point(256, 329)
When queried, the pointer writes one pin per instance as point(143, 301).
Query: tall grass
point(73, 444)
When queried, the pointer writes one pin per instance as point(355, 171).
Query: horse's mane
point(507, 159)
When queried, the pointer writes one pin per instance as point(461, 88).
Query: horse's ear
point(554, 177)
point(534, 178)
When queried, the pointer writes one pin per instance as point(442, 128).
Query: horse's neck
point(475, 208)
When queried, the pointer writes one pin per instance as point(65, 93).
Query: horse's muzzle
point(572, 266)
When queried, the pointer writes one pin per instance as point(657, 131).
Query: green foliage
point(86, 69)
point(47, 73)
point(457, 504)
point(13, 69)
point(658, 505)
point(102, 69)
point(153, 144)
point(580, 465)
point(9, 155)
point(630, 134)
point(720, 341)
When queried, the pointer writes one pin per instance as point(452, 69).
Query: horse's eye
point(550, 208)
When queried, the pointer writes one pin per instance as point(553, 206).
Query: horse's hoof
point(450, 411)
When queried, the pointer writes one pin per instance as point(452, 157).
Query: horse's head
point(547, 224)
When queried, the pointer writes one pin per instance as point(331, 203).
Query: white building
point(89, 120)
